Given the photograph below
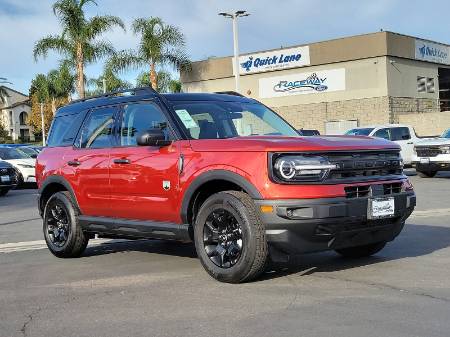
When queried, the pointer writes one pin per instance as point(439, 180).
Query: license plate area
point(5, 179)
point(380, 208)
point(425, 161)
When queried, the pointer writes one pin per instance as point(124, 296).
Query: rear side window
point(382, 133)
point(400, 134)
point(64, 130)
point(97, 130)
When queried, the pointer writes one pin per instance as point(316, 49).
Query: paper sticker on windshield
point(186, 118)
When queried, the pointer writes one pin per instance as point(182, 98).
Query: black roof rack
point(134, 91)
point(233, 93)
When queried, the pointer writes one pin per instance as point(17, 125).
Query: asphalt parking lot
point(154, 288)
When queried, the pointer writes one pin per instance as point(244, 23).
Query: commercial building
point(14, 111)
point(331, 86)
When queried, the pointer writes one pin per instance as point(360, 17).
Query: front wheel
point(362, 251)
point(62, 231)
point(230, 237)
point(426, 174)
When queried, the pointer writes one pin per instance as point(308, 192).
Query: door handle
point(73, 163)
point(410, 143)
point(121, 161)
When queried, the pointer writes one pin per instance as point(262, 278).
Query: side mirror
point(152, 137)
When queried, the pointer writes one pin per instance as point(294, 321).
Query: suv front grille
point(360, 166)
point(429, 151)
point(364, 190)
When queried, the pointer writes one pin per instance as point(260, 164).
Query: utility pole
point(234, 17)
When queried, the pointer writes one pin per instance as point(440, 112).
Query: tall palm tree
point(78, 41)
point(61, 83)
point(165, 82)
point(160, 44)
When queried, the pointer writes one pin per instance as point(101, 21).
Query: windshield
point(29, 151)
point(7, 153)
point(359, 132)
point(219, 120)
point(446, 134)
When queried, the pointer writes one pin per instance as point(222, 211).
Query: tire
point(426, 174)
point(361, 251)
point(235, 210)
point(3, 191)
point(62, 233)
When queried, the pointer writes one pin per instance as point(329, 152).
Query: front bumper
point(441, 162)
point(311, 225)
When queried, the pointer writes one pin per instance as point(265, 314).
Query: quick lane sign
point(273, 60)
point(302, 83)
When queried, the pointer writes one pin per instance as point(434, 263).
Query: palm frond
point(52, 42)
point(97, 50)
point(125, 59)
point(101, 24)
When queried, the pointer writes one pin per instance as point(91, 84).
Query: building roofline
point(25, 102)
point(17, 92)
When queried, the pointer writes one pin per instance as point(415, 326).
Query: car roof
point(381, 126)
point(145, 93)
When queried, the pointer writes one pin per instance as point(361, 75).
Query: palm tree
point(165, 82)
point(112, 82)
point(160, 44)
point(61, 83)
point(78, 41)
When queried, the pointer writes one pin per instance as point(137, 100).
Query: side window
point(400, 134)
point(382, 133)
point(139, 117)
point(97, 129)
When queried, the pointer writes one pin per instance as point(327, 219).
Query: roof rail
point(234, 93)
point(134, 91)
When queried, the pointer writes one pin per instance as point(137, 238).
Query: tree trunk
point(153, 77)
point(53, 105)
point(80, 71)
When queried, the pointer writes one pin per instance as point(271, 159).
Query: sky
point(271, 24)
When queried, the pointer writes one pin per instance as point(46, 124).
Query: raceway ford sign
point(302, 83)
point(273, 60)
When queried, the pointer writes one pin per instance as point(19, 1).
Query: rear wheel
point(230, 238)
point(426, 174)
point(62, 231)
point(3, 191)
point(362, 251)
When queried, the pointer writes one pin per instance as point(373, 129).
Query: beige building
point(14, 112)
point(333, 85)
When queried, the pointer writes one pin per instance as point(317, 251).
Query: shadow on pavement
point(414, 241)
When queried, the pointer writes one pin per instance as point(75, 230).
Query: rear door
point(402, 137)
point(384, 133)
point(144, 179)
point(87, 165)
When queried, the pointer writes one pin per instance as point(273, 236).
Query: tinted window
point(139, 117)
point(446, 134)
point(97, 129)
point(217, 120)
point(64, 129)
point(382, 133)
point(7, 153)
point(400, 134)
point(359, 132)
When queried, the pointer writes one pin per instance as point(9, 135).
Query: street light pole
point(234, 17)
point(42, 124)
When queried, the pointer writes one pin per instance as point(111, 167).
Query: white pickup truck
point(432, 155)
point(403, 135)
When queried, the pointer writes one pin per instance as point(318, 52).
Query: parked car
point(221, 170)
point(306, 132)
point(29, 150)
point(403, 135)
point(8, 178)
point(432, 155)
point(24, 164)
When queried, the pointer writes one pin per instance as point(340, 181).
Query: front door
point(144, 179)
point(87, 164)
point(402, 137)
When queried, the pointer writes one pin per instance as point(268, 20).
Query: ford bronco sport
point(220, 170)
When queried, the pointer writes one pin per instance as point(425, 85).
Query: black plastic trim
point(55, 179)
point(216, 175)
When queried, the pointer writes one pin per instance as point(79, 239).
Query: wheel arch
point(213, 181)
point(52, 185)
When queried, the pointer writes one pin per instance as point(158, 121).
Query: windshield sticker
point(186, 118)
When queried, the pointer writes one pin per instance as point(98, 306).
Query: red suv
point(223, 171)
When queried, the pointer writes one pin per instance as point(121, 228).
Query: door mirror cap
point(152, 137)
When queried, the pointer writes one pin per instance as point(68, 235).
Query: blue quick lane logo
point(311, 82)
point(275, 60)
point(433, 52)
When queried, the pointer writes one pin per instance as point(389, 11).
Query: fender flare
point(55, 179)
point(211, 175)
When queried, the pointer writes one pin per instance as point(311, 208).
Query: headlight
point(298, 168)
point(25, 166)
point(445, 149)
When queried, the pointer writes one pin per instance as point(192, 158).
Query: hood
point(25, 161)
point(291, 144)
point(434, 142)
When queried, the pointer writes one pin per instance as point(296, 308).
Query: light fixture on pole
point(234, 16)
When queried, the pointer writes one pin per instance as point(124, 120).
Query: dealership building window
point(425, 85)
